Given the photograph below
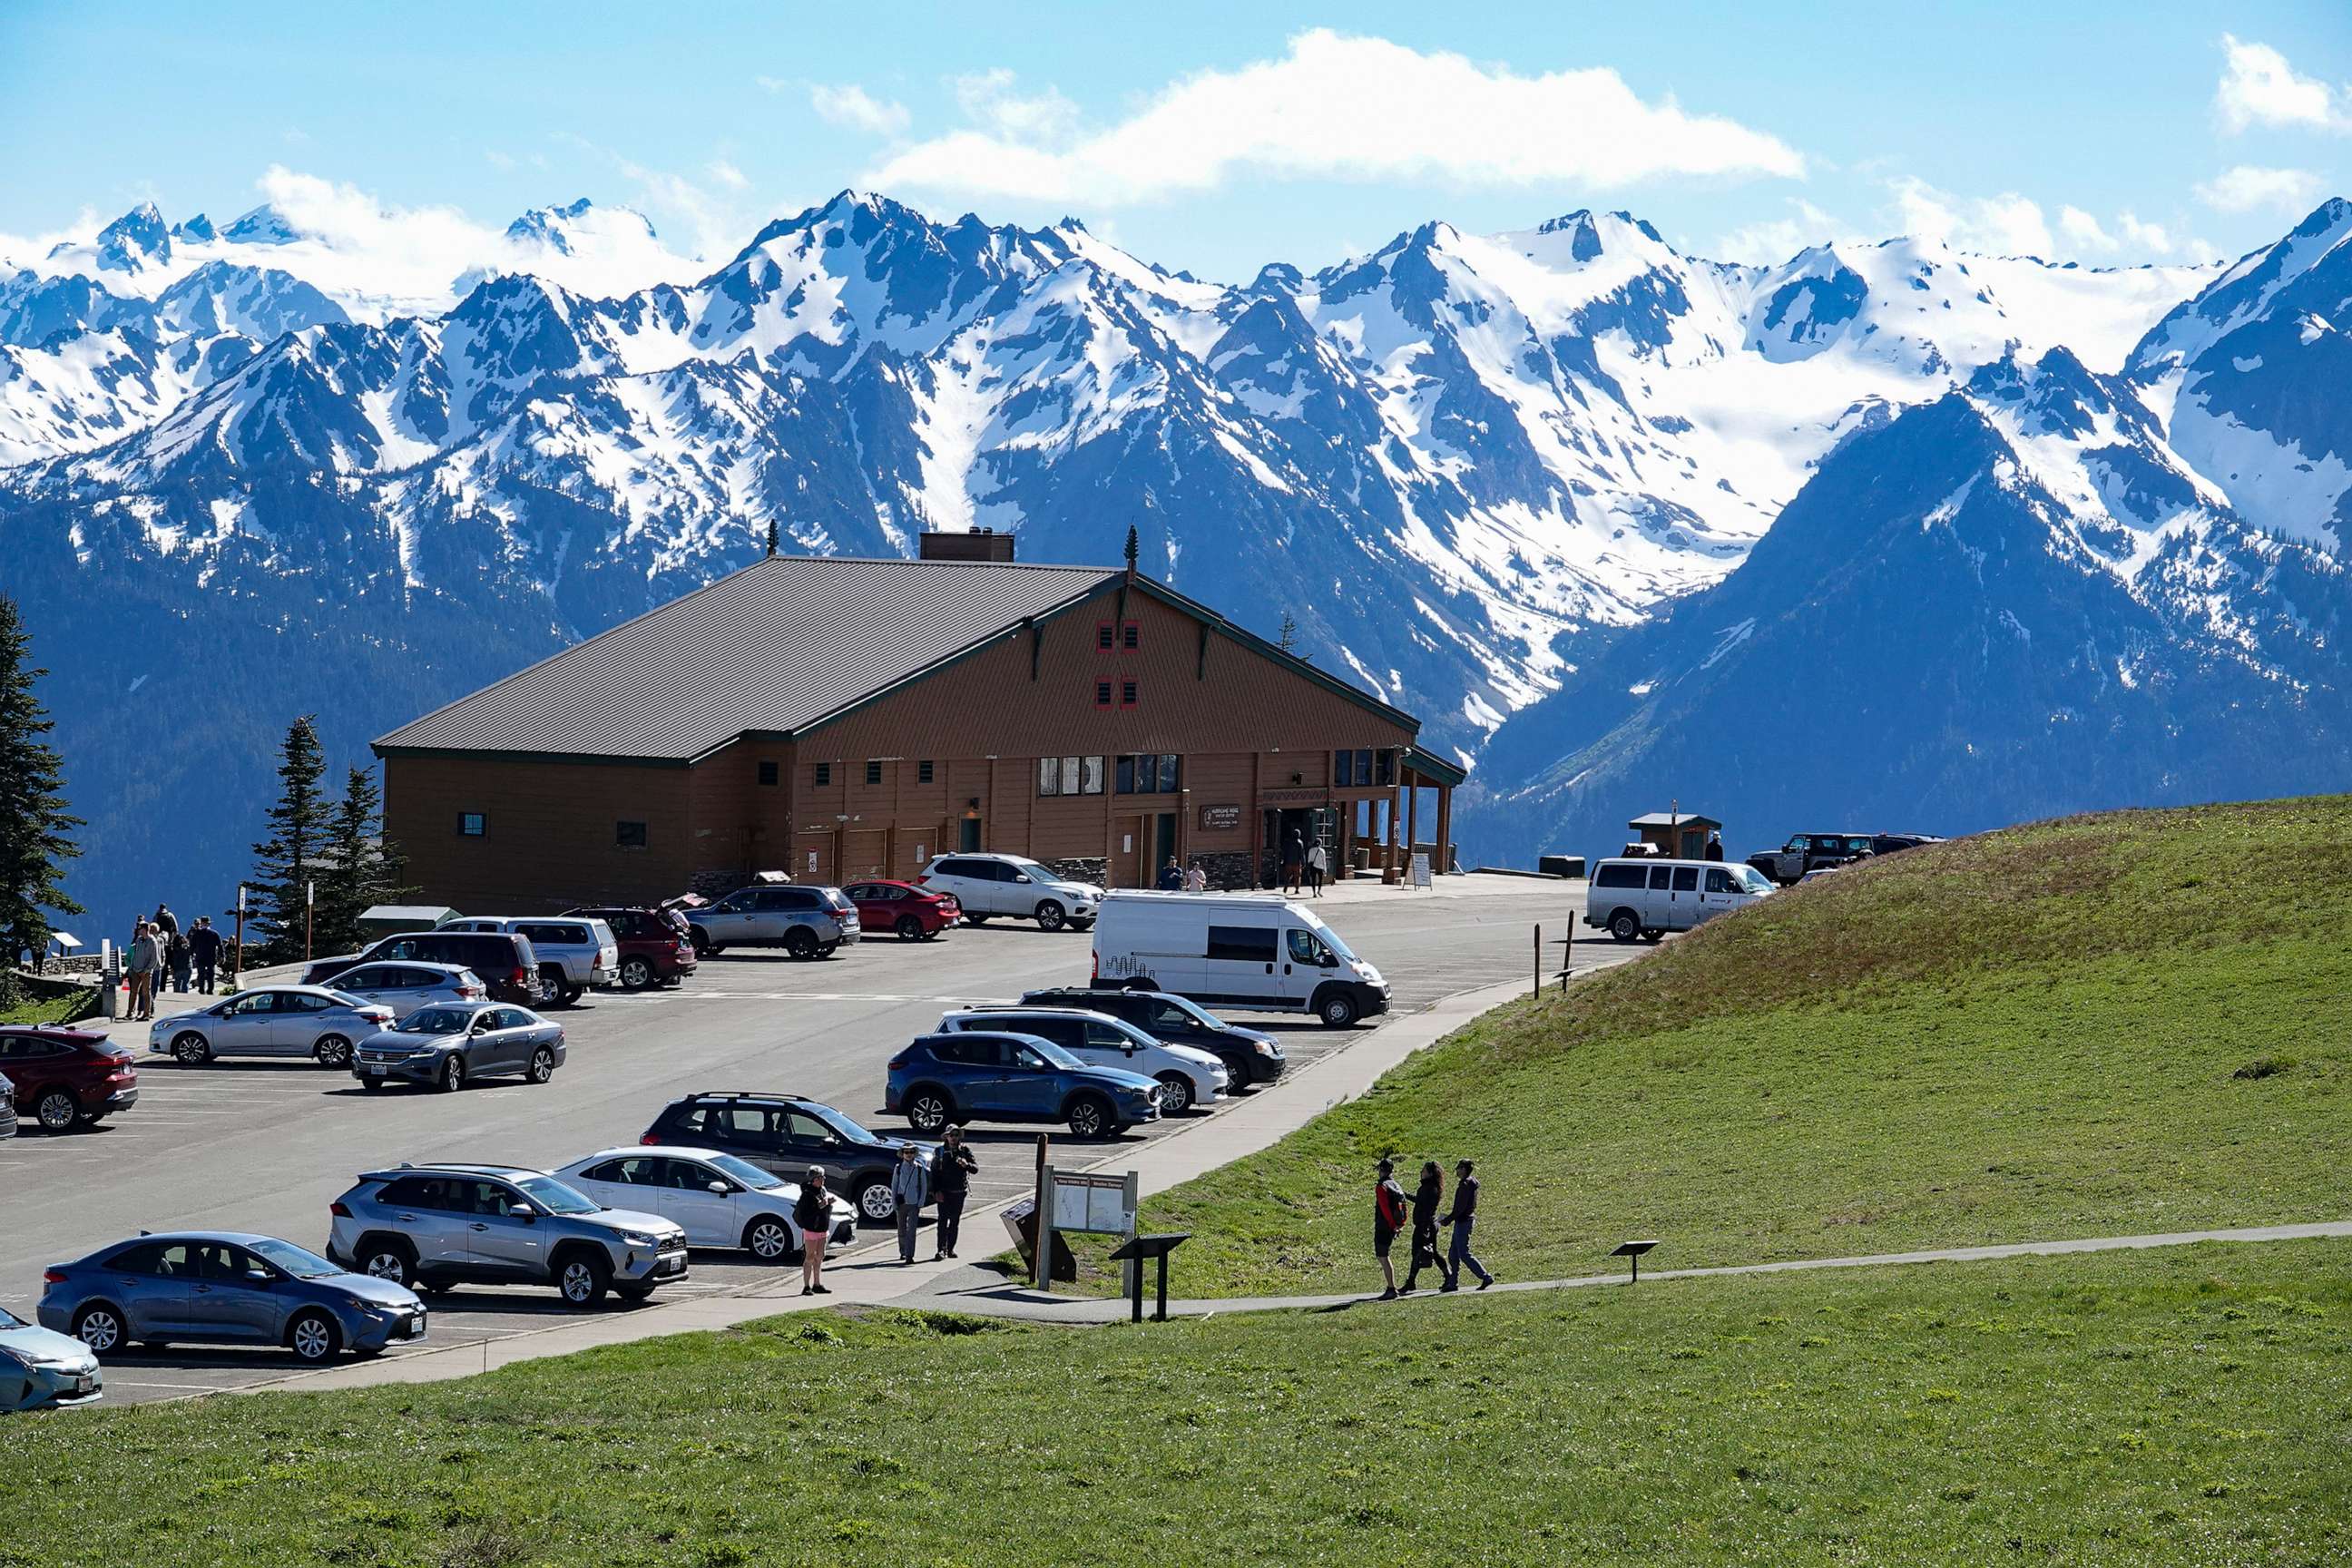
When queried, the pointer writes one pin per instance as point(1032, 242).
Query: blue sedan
point(225, 1287)
point(39, 1370)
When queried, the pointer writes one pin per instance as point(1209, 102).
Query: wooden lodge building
point(837, 719)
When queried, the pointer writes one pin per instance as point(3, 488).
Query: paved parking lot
point(265, 1146)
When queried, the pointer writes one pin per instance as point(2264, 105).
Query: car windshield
point(1331, 938)
point(9, 1320)
point(848, 1126)
point(1750, 880)
point(1055, 1055)
point(743, 1171)
point(436, 1021)
point(554, 1197)
point(294, 1260)
point(1031, 869)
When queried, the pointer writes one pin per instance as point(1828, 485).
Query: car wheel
point(1175, 1093)
point(542, 1064)
point(1338, 1009)
point(334, 1051)
point(875, 1203)
point(371, 1085)
point(800, 942)
point(312, 1336)
point(910, 929)
point(768, 1239)
point(1237, 1074)
point(452, 1075)
point(1624, 925)
point(703, 946)
point(1082, 925)
point(572, 995)
point(582, 1277)
point(1051, 916)
point(1090, 1117)
point(381, 1258)
point(633, 1293)
point(551, 984)
point(636, 974)
point(929, 1110)
point(99, 1326)
point(970, 919)
point(191, 1049)
point(56, 1110)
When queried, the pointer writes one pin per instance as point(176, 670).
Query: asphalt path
point(266, 1146)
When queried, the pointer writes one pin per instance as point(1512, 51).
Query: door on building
point(968, 835)
point(1163, 844)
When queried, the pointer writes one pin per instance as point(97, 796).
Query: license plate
point(417, 1327)
point(378, 1071)
point(671, 1266)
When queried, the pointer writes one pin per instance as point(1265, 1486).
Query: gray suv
point(806, 922)
point(574, 954)
point(433, 1227)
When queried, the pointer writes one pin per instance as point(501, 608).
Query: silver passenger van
point(1645, 897)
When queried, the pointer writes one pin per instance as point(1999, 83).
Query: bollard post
point(1539, 961)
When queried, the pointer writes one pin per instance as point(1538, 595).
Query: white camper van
point(1648, 897)
point(1250, 951)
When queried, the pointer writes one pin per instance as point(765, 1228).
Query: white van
point(1648, 897)
point(1258, 952)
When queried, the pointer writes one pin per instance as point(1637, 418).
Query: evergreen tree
point(36, 833)
point(1287, 639)
point(360, 871)
point(295, 852)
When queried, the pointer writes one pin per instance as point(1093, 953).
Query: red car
point(654, 945)
point(65, 1077)
point(916, 914)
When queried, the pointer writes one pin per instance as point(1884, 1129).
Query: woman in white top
point(1317, 863)
point(1196, 880)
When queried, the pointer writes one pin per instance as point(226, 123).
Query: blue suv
point(1012, 1076)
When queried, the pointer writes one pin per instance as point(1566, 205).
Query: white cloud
point(1335, 107)
point(24, 249)
point(2259, 88)
point(2150, 237)
point(2082, 231)
point(727, 175)
point(2247, 188)
point(1772, 240)
point(853, 106)
point(2005, 225)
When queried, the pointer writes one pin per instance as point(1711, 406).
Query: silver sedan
point(405, 987)
point(271, 1021)
point(449, 1047)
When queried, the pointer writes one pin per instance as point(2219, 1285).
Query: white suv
point(987, 885)
point(1188, 1076)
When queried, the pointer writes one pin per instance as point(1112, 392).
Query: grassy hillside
point(2188, 1408)
point(2140, 1021)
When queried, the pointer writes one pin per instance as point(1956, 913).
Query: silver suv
point(806, 922)
point(573, 954)
point(433, 1227)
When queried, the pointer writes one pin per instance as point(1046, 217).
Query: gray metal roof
point(776, 646)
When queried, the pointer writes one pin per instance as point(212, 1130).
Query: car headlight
point(1263, 1048)
point(631, 1239)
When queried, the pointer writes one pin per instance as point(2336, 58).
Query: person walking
point(1426, 1199)
point(139, 962)
point(1196, 880)
point(1318, 866)
point(1294, 856)
point(176, 956)
point(1461, 1217)
point(1171, 876)
point(813, 1212)
point(910, 1188)
point(952, 1168)
point(166, 923)
point(204, 949)
point(1388, 1218)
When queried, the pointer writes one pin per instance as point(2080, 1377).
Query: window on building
point(472, 824)
point(628, 835)
point(874, 773)
point(923, 772)
point(767, 773)
point(1160, 773)
point(1129, 635)
point(1069, 775)
point(1090, 775)
point(823, 773)
point(1049, 775)
point(1102, 693)
point(1388, 766)
point(1126, 693)
point(1103, 635)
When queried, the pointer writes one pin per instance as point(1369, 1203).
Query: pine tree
point(294, 853)
point(772, 536)
point(359, 870)
point(1287, 641)
point(36, 833)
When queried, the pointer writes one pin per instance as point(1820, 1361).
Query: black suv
point(1250, 1058)
point(786, 1134)
point(507, 964)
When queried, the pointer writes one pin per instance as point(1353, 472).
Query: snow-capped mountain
point(1468, 469)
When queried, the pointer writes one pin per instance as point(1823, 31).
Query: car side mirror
point(720, 1188)
point(523, 1212)
point(1019, 876)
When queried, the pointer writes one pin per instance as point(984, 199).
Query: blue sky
point(1210, 137)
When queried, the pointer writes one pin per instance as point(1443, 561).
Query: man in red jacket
point(1388, 1218)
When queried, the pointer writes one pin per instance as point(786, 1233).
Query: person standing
point(1461, 1217)
point(813, 1212)
point(1171, 876)
point(910, 1188)
point(139, 961)
point(1388, 1218)
point(1294, 856)
point(203, 948)
point(1715, 846)
point(952, 1168)
point(1318, 866)
point(1196, 880)
point(166, 923)
point(177, 957)
point(1426, 1199)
